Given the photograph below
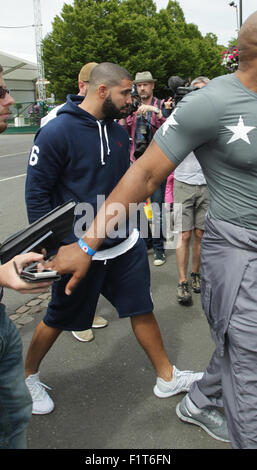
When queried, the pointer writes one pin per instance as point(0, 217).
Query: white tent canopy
point(20, 76)
point(16, 68)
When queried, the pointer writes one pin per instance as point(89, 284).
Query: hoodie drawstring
point(101, 141)
point(107, 140)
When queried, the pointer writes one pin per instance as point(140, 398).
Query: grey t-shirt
point(219, 123)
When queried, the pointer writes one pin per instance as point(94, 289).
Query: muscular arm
point(139, 182)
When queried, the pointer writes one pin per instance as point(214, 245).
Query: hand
point(10, 279)
point(168, 103)
point(144, 108)
point(70, 259)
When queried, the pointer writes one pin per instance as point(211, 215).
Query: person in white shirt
point(191, 191)
point(83, 83)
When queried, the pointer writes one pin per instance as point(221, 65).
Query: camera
point(179, 87)
point(136, 102)
point(143, 136)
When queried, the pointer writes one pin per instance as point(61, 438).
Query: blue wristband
point(83, 245)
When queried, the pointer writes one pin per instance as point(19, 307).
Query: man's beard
point(144, 96)
point(110, 111)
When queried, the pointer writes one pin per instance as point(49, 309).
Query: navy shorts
point(124, 281)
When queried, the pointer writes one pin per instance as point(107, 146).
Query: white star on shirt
point(169, 122)
point(240, 131)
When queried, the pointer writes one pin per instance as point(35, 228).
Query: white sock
point(191, 406)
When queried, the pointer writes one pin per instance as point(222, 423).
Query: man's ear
point(83, 87)
point(103, 91)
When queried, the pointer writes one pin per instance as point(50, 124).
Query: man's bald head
point(108, 74)
point(247, 41)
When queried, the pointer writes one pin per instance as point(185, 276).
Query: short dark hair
point(1, 69)
point(108, 73)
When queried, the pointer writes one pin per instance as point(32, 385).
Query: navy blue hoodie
point(76, 157)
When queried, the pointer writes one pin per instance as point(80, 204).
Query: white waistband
point(117, 250)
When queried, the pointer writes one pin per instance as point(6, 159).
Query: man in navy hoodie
point(83, 84)
point(82, 155)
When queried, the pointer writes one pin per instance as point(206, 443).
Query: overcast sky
point(214, 16)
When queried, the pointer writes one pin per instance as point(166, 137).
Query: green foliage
point(131, 33)
point(233, 42)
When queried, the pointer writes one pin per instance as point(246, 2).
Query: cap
point(86, 70)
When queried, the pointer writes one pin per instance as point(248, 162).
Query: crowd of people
point(199, 153)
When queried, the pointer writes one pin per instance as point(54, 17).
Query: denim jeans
point(157, 200)
point(158, 237)
point(15, 399)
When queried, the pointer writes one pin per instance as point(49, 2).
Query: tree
point(130, 33)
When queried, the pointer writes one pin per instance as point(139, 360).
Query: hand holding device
point(31, 274)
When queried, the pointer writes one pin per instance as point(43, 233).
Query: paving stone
point(33, 302)
point(22, 309)
point(35, 309)
point(24, 320)
point(44, 296)
point(14, 316)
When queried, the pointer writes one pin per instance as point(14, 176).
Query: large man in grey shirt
point(219, 123)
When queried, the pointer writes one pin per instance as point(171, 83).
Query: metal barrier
point(25, 117)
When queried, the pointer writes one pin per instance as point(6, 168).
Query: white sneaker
point(99, 322)
point(42, 402)
point(84, 336)
point(181, 382)
point(87, 335)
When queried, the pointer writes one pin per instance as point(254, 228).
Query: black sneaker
point(183, 293)
point(196, 282)
point(159, 258)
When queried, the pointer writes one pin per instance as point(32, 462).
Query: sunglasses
point(3, 92)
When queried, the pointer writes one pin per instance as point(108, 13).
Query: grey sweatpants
point(230, 380)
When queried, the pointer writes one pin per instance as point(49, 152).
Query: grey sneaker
point(183, 293)
point(196, 282)
point(211, 420)
point(181, 382)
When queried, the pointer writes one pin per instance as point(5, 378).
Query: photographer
point(141, 125)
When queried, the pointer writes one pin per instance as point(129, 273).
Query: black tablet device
point(46, 233)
